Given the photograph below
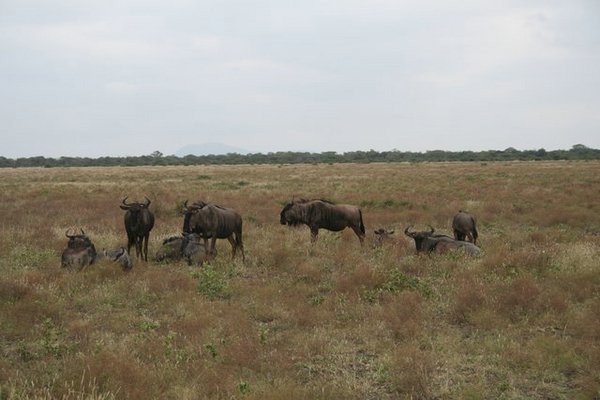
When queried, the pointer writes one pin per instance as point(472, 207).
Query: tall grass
point(331, 320)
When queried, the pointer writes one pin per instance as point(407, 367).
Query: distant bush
point(577, 152)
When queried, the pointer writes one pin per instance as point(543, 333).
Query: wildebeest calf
point(194, 251)
point(120, 256)
point(170, 249)
point(382, 236)
point(187, 246)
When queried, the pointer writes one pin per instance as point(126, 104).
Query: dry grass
point(325, 321)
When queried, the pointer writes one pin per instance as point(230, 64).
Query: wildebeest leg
point(213, 243)
point(361, 236)
point(314, 232)
point(458, 235)
point(206, 248)
point(238, 243)
point(470, 237)
point(233, 246)
point(145, 240)
point(130, 243)
point(138, 247)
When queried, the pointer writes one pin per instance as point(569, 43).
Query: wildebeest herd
point(203, 221)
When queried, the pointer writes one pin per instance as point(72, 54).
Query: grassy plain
point(329, 321)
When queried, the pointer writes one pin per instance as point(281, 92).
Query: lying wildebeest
point(80, 251)
point(194, 251)
point(138, 224)
point(463, 225)
point(214, 222)
point(321, 214)
point(381, 236)
point(170, 249)
point(120, 256)
point(427, 241)
point(187, 246)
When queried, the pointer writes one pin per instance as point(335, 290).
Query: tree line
point(577, 152)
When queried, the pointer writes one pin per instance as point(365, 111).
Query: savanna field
point(332, 320)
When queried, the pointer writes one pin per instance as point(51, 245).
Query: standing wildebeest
point(80, 251)
point(138, 224)
point(426, 241)
point(319, 214)
point(463, 225)
point(214, 222)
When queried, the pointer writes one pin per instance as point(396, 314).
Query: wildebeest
point(381, 236)
point(120, 256)
point(80, 251)
point(321, 214)
point(463, 225)
point(187, 246)
point(170, 249)
point(214, 222)
point(428, 242)
point(194, 251)
point(139, 221)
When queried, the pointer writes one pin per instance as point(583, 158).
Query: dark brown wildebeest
point(119, 256)
point(463, 225)
point(214, 222)
point(80, 251)
point(428, 242)
point(139, 221)
point(321, 214)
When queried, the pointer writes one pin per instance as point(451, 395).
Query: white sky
point(127, 77)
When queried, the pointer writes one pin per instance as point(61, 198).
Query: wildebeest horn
point(69, 234)
point(82, 232)
point(127, 204)
point(406, 231)
point(147, 201)
point(431, 228)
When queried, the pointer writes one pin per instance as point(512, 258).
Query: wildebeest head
point(382, 235)
point(189, 212)
point(293, 213)
point(422, 239)
point(77, 240)
point(135, 208)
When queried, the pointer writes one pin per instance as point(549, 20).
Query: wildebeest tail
point(475, 234)
point(362, 225)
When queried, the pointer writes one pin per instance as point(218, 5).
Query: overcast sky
point(128, 77)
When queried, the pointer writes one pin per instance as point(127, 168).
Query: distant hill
point(208, 149)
